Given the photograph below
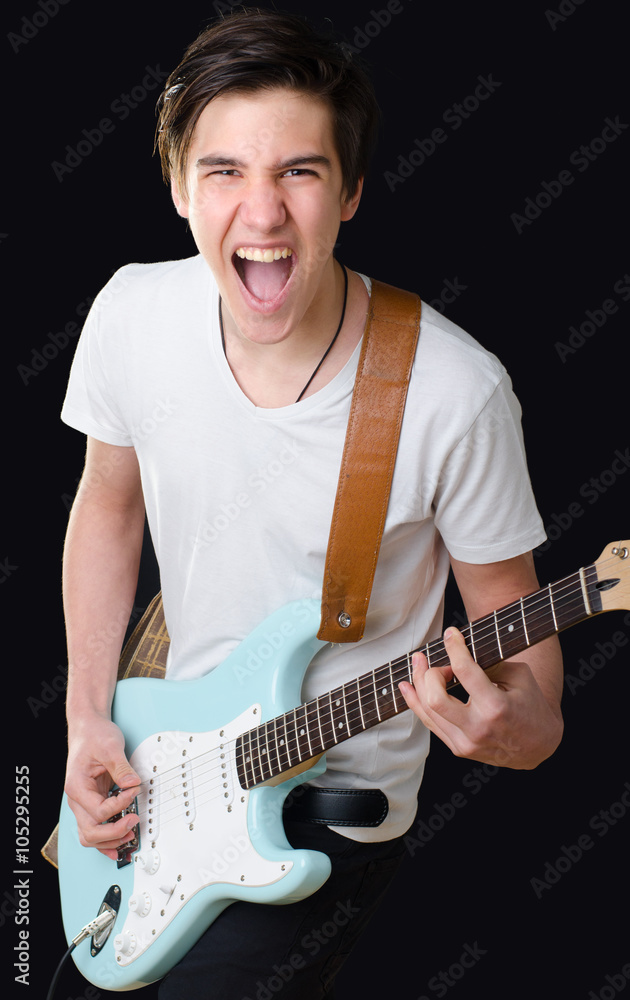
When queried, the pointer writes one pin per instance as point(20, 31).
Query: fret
point(407, 669)
point(438, 652)
point(576, 596)
point(467, 636)
point(511, 630)
point(241, 769)
point(283, 749)
point(254, 750)
point(344, 702)
point(524, 618)
point(496, 630)
point(376, 700)
point(354, 713)
point(275, 736)
point(337, 713)
point(367, 699)
point(310, 729)
point(248, 759)
point(384, 694)
point(540, 615)
point(292, 732)
point(331, 722)
point(301, 733)
point(553, 610)
point(394, 691)
point(361, 703)
point(472, 643)
point(263, 751)
point(325, 715)
point(485, 637)
point(332, 718)
point(319, 724)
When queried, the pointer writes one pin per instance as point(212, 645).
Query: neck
point(273, 368)
point(310, 729)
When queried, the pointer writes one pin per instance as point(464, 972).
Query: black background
point(562, 73)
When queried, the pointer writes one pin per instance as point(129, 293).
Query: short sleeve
point(92, 404)
point(485, 509)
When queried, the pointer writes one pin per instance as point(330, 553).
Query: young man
point(222, 383)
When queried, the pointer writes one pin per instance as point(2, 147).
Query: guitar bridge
point(125, 851)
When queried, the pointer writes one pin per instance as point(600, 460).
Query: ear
point(350, 205)
point(181, 203)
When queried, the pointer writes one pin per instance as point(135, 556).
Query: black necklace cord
point(328, 349)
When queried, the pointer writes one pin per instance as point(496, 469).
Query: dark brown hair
point(254, 50)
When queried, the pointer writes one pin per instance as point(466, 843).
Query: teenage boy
point(215, 394)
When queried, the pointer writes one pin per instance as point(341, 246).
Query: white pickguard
point(189, 787)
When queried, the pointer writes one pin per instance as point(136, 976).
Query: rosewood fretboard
point(312, 728)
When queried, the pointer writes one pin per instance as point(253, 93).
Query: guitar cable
point(98, 925)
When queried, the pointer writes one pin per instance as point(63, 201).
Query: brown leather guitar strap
point(376, 411)
point(367, 465)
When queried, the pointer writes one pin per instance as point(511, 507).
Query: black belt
point(337, 806)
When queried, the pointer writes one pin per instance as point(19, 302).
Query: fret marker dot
point(384, 691)
point(341, 725)
point(281, 743)
point(510, 628)
point(337, 703)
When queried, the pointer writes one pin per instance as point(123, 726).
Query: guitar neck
point(310, 729)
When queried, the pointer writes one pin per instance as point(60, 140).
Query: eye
point(223, 178)
point(299, 172)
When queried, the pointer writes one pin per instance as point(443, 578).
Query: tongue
point(265, 281)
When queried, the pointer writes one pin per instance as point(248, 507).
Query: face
point(264, 201)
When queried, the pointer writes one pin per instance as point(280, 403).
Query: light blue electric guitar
point(218, 756)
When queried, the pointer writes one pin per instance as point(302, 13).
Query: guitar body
point(204, 841)
point(218, 756)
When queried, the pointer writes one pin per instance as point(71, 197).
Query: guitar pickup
point(125, 851)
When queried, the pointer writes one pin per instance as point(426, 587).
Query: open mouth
point(264, 272)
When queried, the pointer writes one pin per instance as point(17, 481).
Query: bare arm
point(513, 719)
point(101, 559)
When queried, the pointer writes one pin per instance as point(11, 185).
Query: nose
point(263, 208)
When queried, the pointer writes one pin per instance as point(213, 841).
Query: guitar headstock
point(613, 566)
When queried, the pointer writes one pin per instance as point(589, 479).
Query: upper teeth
point(253, 253)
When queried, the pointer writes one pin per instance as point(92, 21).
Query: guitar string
point(542, 594)
point(349, 706)
point(205, 791)
point(436, 643)
point(206, 788)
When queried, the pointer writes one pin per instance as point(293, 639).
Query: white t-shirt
point(239, 499)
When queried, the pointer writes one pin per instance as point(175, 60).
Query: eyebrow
point(219, 160)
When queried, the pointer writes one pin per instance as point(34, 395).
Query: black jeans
point(293, 952)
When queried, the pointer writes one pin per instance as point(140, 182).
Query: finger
point(122, 773)
point(431, 701)
point(104, 836)
point(470, 675)
point(423, 704)
point(98, 806)
point(409, 689)
point(427, 695)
